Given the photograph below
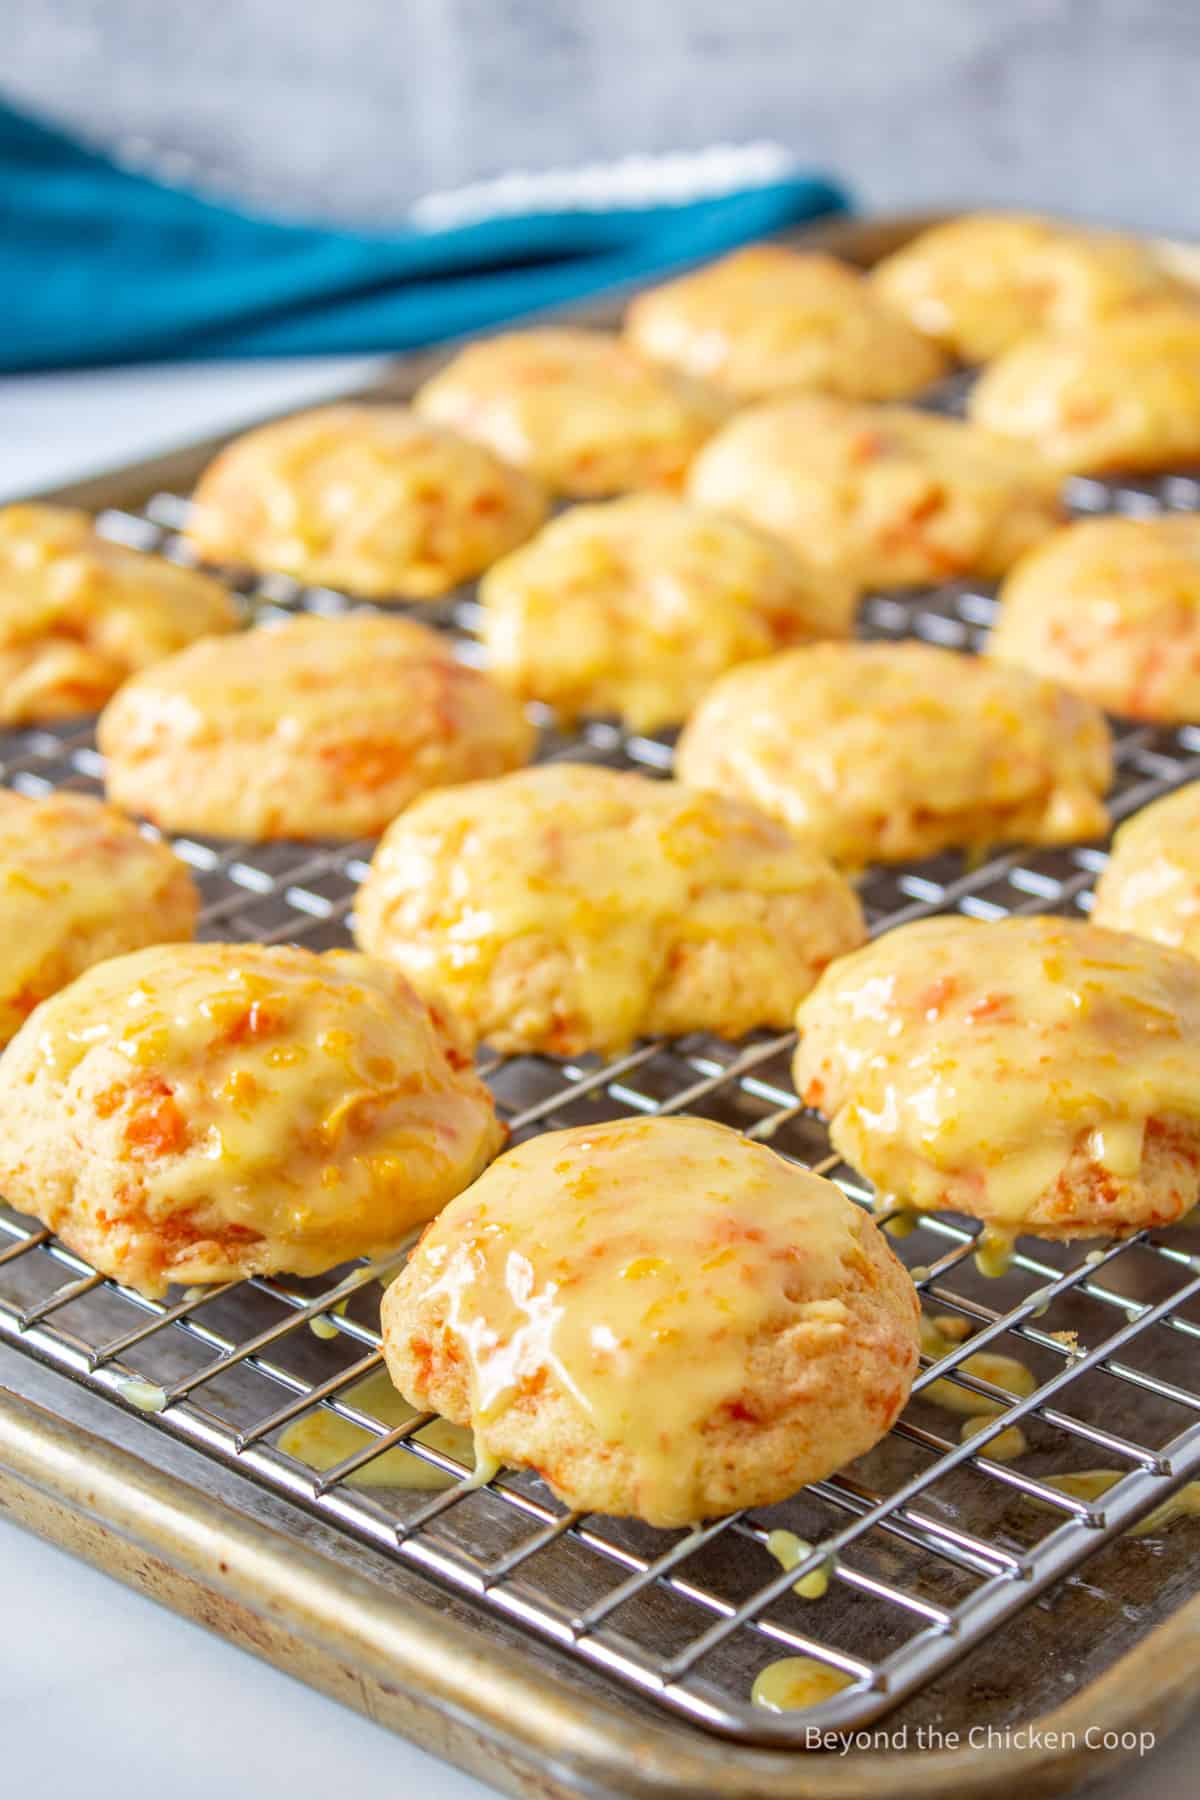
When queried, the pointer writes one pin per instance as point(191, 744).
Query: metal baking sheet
point(948, 1566)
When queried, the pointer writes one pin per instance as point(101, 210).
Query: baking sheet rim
point(401, 1663)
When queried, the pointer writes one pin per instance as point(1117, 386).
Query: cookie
point(887, 497)
point(1123, 393)
point(78, 883)
point(369, 499)
point(981, 282)
point(1151, 882)
point(883, 752)
point(316, 728)
point(579, 409)
point(79, 613)
point(1111, 608)
point(636, 606)
point(661, 1318)
point(201, 1112)
point(768, 320)
point(571, 908)
point(1041, 1074)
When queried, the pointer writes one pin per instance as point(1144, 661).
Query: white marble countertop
point(105, 1694)
point(101, 1691)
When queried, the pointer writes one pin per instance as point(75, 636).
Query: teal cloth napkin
point(100, 265)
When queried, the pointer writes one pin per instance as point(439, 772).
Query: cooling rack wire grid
point(931, 1543)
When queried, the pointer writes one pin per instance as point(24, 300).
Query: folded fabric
point(102, 265)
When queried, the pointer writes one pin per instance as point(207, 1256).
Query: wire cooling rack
point(931, 1543)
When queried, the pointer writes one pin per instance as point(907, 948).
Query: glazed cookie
point(78, 613)
point(768, 320)
point(578, 409)
point(659, 1317)
point(317, 728)
point(1122, 394)
point(636, 606)
point(78, 883)
point(980, 282)
point(1040, 1074)
point(371, 499)
point(885, 496)
point(882, 752)
point(571, 908)
point(201, 1112)
point(1151, 884)
point(1111, 608)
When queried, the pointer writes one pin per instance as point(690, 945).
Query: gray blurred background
point(349, 109)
